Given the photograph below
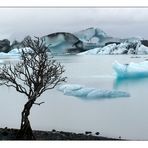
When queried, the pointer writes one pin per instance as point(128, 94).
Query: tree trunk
point(25, 132)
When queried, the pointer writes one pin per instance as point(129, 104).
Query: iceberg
point(131, 70)
point(19, 50)
point(142, 50)
point(91, 33)
point(69, 87)
point(107, 50)
point(90, 93)
point(127, 47)
point(61, 42)
point(90, 52)
point(8, 55)
point(14, 53)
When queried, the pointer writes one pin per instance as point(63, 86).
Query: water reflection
point(99, 98)
point(129, 82)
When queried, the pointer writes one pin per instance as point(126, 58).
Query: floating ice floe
point(131, 70)
point(90, 93)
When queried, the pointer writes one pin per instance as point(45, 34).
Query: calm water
point(125, 117)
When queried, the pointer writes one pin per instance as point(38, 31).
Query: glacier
point(131, 70)
point(84, 92)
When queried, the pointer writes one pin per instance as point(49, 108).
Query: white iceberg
point(90, 93)
point(131, 70)
point(106, 50)
point(142, 50)
point(128, 47)
point(90, 52)
point(14, 53)
point(19, 50)
point(70, 87)
point(91, 34)
point(8, 56)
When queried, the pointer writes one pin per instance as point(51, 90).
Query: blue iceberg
point(90, 93)
point(131, 70)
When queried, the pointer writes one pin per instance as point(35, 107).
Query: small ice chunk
point(69, 87)
point(82, 92)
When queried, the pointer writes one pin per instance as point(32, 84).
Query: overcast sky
point(16, 23)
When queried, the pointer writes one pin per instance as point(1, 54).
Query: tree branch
point(38, 103)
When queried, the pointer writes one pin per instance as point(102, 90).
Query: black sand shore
point(10, 134)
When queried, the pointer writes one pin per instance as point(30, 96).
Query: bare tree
point(32, 76)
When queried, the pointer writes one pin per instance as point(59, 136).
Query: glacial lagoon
point(113, 117)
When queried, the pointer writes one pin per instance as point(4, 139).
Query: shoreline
point(10, 134)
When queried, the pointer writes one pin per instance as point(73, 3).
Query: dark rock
point(16, 44)
point(75, 50)
point(144, 42)
point(88, 132)
point(5, 46)
point(53, 130)
point(97, 133)
point(125, 52)
point(4, 133)
point(112, 43)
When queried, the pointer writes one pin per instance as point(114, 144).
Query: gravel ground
point(10, 134)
